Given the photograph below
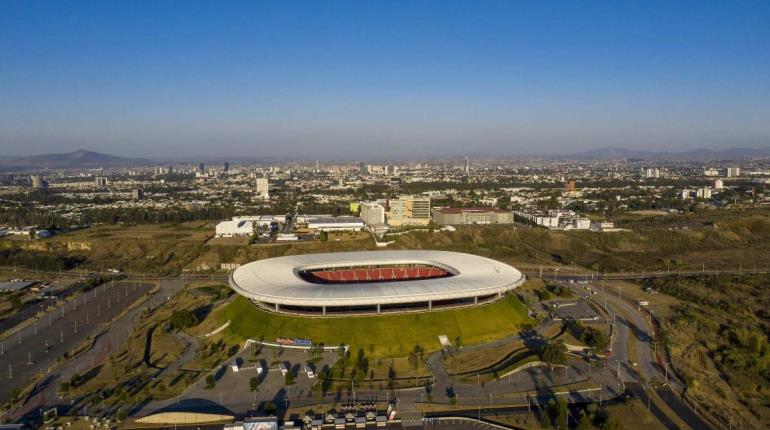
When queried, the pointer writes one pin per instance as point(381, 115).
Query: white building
point(733, 172)
point(234, 228)
point(719, 184)
point(703, 193)
point(342, 223)
point(263, 188)
point(711, 172)
point(653, 173)
point(372, 213)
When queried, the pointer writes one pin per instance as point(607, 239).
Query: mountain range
point(90, 159)
point(614, 153)
point(70, 160)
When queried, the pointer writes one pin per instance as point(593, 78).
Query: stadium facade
point(373, 282)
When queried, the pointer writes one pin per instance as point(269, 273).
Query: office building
point(409, 210)
point(372, 213)
point(263, 188)
point(653, 173)
point(38, 182)
point(733, 172)
point(464, 216)
point(100, 181)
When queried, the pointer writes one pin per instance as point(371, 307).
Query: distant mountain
point(613, 153)
point(71, 160)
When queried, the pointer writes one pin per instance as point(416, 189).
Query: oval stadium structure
point(373, 282)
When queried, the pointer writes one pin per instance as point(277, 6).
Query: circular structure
point(373, 281)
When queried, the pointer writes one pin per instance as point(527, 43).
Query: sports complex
point(373, 282)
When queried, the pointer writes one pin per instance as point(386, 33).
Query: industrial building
point(464, 216)
point(373, 282)
point(341, 223)
point(234, 228)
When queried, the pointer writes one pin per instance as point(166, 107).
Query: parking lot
point(35, 348)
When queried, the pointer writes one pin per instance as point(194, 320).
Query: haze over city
point(372, 79)
point(402, 215)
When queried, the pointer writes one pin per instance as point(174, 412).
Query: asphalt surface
point(647, 374)
point(40, 305)
point(45, 394)
point(34, 350)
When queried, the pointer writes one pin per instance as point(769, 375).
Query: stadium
point(373, 282)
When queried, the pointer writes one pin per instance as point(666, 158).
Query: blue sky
point(335, 79)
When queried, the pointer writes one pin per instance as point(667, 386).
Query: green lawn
point(383, 336)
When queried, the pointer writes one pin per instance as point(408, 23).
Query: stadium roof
point(277, 280)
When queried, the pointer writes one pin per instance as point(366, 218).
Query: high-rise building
point(263, 188)
point(100, 181)
point(733, 172)
point(652, 173)
point(227, 167)
point(137, 194)
point(317, 166)
point(703, 193)
point(201, 168)
point(372, 213)
point(409, 210)
point(38, 182)
point(361, 167)
point(467, 165)
point(719, 184)
point(570, 186)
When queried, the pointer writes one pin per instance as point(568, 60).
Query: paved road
point(45, 394)
point(39, 305)
point(648, 372)
point(33, 350)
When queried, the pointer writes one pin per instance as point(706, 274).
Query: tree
point(323, 236)
point(211, 382)
point(459, 343)
point(554, 353)
point(254, 384)
point(182, 319)
point(584, 423)
point(269, 407)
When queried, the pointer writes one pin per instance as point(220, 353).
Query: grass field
point(380, 336)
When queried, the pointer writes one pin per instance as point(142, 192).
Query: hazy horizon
point(369, 80)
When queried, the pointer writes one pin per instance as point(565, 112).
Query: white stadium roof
point(277, 280)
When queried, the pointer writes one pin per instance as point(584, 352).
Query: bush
point(211, 382)
point(182, 319)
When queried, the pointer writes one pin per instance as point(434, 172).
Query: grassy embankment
point(379, 336)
